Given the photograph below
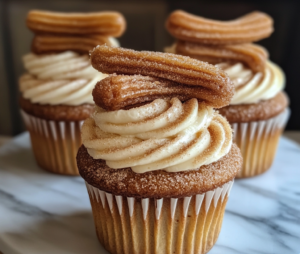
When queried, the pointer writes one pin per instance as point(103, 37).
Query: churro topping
point(66, 78)
point(106, 23)
point(216, 87)
point(252, 87)
point(164, 134)
point(248, 28)
point(48, 44)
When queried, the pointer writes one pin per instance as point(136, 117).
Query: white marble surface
point(44, 213)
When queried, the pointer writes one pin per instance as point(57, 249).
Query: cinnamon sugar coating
point(158, 184)
point(256, 111)
point(254, 56)
point(180, 69)
point(57, 112)
point(45, 44)
point(101, 23)
point(120, 91)
point(251, 27)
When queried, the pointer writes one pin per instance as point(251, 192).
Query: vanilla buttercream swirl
point(252, 87)
point(168, 135)
point(66, 78)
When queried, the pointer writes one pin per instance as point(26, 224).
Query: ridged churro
point(249, 28)
point(252, 55)
point(120, 91)
point(42, 44)
point(100, 23)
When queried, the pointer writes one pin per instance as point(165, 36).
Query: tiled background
point(145, 31)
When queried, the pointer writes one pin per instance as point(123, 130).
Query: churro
point(43, 44)
point(252, 55)
point(120, 91)
point(100, 23)
point(249, 28)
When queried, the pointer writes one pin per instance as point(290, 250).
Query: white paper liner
point(193, 222)
point(54, 143)
point(258, 142)
point(214, 195)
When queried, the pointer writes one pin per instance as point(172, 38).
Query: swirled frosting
point(252, 87)
point(66, 78)
point(168, 135)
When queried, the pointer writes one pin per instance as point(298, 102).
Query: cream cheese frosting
point(66, 78)
point(252, 87)
point(168, 135)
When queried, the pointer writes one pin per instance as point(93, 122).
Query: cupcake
point(258, 111)
point(56, 88)
point(157, 159)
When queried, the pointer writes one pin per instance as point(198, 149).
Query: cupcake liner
point(167, 225)
point(258, 142)
point(54, 143)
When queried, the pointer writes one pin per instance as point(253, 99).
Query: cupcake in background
point(258, 112)
point(158, 160)
point(56, 88)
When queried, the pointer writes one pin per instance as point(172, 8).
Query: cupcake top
point(157, 146)
point(59, 71)
point(159, 183)
point(228, 45)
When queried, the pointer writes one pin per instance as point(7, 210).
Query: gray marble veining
point(45, 213)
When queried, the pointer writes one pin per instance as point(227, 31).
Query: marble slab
point(44, 213)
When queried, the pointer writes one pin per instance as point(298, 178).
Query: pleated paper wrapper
point(258, 141)
point(54, 143)
point(186, 225)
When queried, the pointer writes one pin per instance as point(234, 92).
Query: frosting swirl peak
point(168, 135)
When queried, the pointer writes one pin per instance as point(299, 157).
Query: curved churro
point(120, 91)
point(251, 27)
point(252, 55)
point(101, 23)
point(177, 68)
point(42, 44)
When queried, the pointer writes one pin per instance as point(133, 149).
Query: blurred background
point(145, 31)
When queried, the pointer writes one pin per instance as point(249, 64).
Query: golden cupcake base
point(258, 143)
point(54, 143)
point(169, 225)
